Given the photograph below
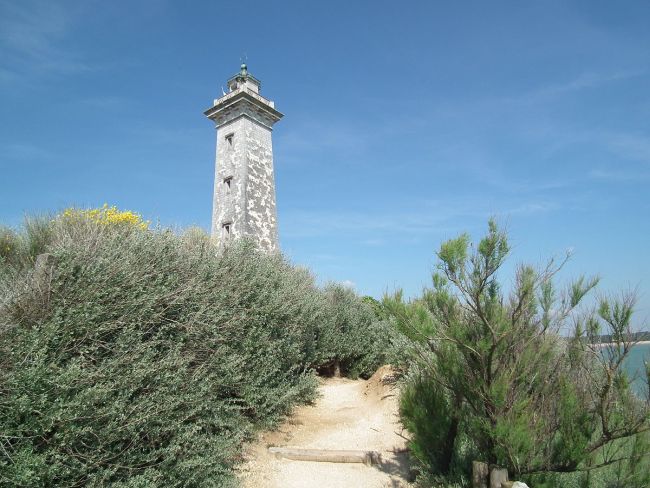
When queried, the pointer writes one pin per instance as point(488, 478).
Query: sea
point(634, 365)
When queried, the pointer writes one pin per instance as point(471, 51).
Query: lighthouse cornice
point(240, 103)
point(244, 98)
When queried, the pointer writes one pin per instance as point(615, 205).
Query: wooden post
point(337, 368)
point(498, 476)
point(480, 473)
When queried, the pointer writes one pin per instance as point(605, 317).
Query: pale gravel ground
point(350, 414)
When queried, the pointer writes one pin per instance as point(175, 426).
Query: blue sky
point(405, 124)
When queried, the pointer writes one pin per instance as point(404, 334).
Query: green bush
point(492, 377)
point(353, 341)
point(427, 414)
point(142, 358)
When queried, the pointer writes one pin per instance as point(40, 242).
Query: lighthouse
point(244, 185)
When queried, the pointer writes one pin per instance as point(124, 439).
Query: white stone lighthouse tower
point(244, 187)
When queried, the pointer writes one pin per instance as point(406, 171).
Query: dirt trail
point(350, 414)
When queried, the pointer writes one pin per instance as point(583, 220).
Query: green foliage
point(20, 249)
point(428, 414)
point(141, 358)
point(8, 244)
point(492, 377)
point(354, 339)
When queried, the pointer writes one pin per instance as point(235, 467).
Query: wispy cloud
point(308, 137)
point(16, 151)
point(349, 284)
point(373, 242)
point(631, 145)
point(165, 135)
point(533, 208)
point(7, 76)
point(106, 102)
point(620, 175)
point(376, 228)
point(583, 81)
point(632, 148)
point(31, 38)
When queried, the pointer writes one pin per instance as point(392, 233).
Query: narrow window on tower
point(227, 183)
point(229, 139)
point(226, 228)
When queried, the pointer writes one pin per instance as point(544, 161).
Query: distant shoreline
point(603, 344)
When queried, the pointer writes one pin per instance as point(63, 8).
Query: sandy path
point(350, 414)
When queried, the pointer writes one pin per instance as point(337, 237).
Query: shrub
point(353, 341)
point(491, 368)
point(138, 358)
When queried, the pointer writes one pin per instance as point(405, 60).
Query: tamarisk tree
point(496, 370)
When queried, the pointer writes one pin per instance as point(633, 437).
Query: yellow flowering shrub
point(108, 216)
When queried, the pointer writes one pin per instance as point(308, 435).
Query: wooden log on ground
point(480, 474)
point(327, 456)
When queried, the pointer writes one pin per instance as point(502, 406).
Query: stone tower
point(244, 187)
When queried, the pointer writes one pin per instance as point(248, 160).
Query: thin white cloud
point(298, 144)
point(425, 217)
point(30, 28)
point(630, 145)
point(31, 39)
point(626, 146)
point(584, 81)
point(533, 208)
point(581, 82)
point(373, 242)
point(22, 151)
point(349, 284)
point(7, 76)
point(105, 102)
point(620, 175)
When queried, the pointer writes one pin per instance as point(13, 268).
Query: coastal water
point(634, 365)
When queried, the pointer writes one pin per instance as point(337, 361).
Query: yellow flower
point(107, 216)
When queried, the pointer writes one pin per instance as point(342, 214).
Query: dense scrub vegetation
point(136, 357)
point(491, 378)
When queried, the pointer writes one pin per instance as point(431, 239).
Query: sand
point(350, 414)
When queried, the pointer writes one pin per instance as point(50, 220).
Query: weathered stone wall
point(261, 217)
point(229, 203)
point(249, 203)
